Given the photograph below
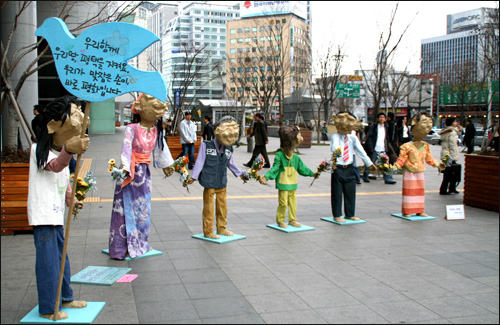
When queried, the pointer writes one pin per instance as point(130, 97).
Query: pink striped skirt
point(413, 193)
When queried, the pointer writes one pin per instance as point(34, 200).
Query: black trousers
point(451, 178)
point(343, 184)
point(259, 150)
point(470, 146)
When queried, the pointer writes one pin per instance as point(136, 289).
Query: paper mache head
point(345, 122)
point(421, 125)
point(226, 131)
point(149, 108)
point(290, 137)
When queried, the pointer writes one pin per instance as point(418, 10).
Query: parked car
point(436, 139)
point(434, 133)
point(478, 139)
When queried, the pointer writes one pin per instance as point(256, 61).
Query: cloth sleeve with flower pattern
point(412, 159)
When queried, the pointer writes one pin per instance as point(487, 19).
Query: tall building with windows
point(268, 52)
point(161, 14)
point(461, 46)
point(194, 50)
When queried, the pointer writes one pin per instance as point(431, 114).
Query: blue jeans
point(188, 149)
point(49, 243)
point(374, 159)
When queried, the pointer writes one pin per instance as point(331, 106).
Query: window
point(232, 31)
point(233, 70)
point(240, 50)
point(240, 40)
point(262, 38)
point(254, 49)
point(197, 28)
point(254, 39)
point(240, 30)
point(223, 30)
point(262, 28)
point(222, 45)
point(213, 36)
point(247, 70)
point(247, 50)
point(278, 37)
point(232, 60)
point(197, 35)
point(233, 41)
point(232, 51)
point(233, 89)
point(247, 30)
point(254, 29)
point(222, 38)
point(233, 80)
point(247, 40)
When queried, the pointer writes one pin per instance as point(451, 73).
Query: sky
point(357, 25)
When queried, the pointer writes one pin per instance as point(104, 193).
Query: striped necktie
point(346, 150)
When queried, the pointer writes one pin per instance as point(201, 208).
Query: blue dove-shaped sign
point(93, 66)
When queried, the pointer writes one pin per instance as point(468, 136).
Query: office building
point(199, 33)
point(268, 52)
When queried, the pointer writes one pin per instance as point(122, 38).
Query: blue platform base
point(221, 240)
point(99, 275)
point(346, 223)
point(150, 253)
point(85, 315)
point(291, 228)
point(413, 217)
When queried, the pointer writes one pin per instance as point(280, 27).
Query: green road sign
point(347, 90)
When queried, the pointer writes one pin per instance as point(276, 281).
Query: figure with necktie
point(343, 178)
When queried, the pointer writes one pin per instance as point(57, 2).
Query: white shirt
point(188, 131)
point(46, 193)
point(405, 131)
point(380, 145)
point(355, 147)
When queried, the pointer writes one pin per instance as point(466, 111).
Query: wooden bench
point(175, 146)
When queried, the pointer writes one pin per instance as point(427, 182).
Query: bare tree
point(327, 67)
point(12, 57)
point(377, 81)
point(190, 74)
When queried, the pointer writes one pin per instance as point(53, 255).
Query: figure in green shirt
point(286, 167)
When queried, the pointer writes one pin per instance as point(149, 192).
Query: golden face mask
point(150, 109)
point(421, 128)
point(345, 123)
point(227, 133)
point(72, 127)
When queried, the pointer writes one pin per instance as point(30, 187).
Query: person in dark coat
point(470, 133)
point(208, 131)
point(259, 131)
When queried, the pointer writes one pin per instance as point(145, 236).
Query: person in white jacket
point(449, 144)
point(188, 138)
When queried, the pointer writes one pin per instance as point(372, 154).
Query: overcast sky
point(358, 24)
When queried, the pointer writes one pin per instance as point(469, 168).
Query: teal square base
point(221, 240)
point(291, 228)
point(150, 253)
point(99, 275)
point(346, 223)
point(413, 217)
point(85, 315)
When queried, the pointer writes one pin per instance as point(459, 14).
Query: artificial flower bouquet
point(83, 186)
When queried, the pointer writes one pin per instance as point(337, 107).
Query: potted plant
point(15, 176)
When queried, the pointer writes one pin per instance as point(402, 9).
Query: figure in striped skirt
point(411, 159)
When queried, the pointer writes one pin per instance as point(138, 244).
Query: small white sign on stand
point(455, 212)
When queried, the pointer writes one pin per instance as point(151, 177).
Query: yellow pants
point(220, 210)
point(287, 199)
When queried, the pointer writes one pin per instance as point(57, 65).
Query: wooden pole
point(68, 220)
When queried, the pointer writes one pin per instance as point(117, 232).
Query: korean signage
point(474, 93)
point(93, 66)
point(465, 19)
point(348, 90)
point(269, 8)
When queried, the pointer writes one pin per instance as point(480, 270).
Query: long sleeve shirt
point(354, 145)
point(286, 169)
point(412, 159)
point(187, 132)
point(202, 154)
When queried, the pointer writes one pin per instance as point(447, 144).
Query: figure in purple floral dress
point(130, 218)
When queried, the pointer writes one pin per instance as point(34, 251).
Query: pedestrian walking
point(261, 140)
point(188, 137)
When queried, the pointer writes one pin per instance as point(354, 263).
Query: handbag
point(454, 172)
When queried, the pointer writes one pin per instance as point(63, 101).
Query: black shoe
point(366, 180)
point(358, 182)
point(247, 165)
point(267, 166)
point(445, 193)
point(390, 182)
point(454, 192)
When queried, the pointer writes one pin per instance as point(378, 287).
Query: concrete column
point(28, 96)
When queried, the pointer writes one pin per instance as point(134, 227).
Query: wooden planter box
point(481, 182)
point(175, 146)
point(14, 198)
point(307, 135)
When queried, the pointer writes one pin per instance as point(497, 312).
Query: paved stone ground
point(387, 270)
